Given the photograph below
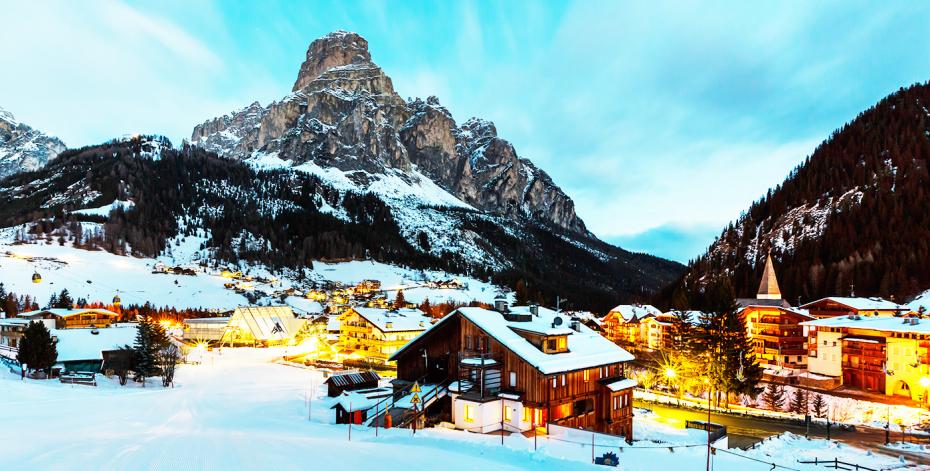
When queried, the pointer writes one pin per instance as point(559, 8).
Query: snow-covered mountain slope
point(147, 199)
point(23, 148)
point(97, 275)
point(344, 116)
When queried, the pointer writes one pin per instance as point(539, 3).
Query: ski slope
point(99, 276)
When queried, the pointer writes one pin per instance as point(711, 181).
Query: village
point(504, 369)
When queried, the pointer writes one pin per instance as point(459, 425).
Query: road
point(745, 431)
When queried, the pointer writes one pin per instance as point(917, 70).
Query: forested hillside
point(855, 216)
point(286, 219)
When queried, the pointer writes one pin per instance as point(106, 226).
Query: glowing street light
point(670, 373)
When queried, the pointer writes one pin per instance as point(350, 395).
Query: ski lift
point(116, 300)
point(36, 278)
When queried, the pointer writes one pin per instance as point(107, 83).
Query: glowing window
point(469, 413)
point(508, 414)
point(587, 376)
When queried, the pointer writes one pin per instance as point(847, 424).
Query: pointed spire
point(768, 288)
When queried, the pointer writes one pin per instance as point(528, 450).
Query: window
point(513, 379)
point(799, 358)
point(616, 402)
point(527, 414)
point(587, 376)
point(469, 413)
point(563, 343)
point(555, 382)
point(825, 343)
point(480, 344)
point(468, 342)
point(508, 414)
point(563, 380)
point(550, 344)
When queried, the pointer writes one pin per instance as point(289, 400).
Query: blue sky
point(661, 120)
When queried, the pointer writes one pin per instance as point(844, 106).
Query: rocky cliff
point(23, 148)
point(344, 114)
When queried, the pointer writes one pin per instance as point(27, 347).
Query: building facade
point(375, 334)
point(521, 368)
point(773, 325)
point(887, 355)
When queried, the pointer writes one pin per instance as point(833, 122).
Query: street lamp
point(670, 374)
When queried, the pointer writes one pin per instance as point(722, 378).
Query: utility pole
point(709, 390)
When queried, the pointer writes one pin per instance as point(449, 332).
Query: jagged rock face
point(344, 113)
point(23, 148)
point(335, 50)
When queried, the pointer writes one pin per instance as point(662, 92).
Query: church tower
point(768, 288)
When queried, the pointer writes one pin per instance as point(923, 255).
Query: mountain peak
point(336, 49)
point(23, 148)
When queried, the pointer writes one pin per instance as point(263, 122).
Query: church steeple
point(768, 288)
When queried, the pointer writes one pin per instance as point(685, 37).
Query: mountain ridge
point(23, 148)
point(343, 112)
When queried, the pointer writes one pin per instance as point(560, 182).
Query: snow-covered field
point(98, 276)
point(238, 410)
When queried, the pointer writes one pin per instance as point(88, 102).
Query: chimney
point(500, 305)
point(534, 310)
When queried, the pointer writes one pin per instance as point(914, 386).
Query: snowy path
point(240, 411)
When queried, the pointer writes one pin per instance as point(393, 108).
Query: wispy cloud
point(651, 115)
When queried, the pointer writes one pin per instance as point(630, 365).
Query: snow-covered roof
point(400, 320)
point(882, 324)
point(861, 304)
point(631, 312)
point(208, 320)
point(621, 384)
point(363, 399)
point(541, 324)
point(267, 322)
point(60, 312)
point(84, 344)
point(586, 348)
point(332, 323)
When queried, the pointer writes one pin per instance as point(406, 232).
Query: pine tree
point(774, 396)
point(819, 406)
point(150, 340)
point(799, 402)
point(399, 301)
point(37, 349)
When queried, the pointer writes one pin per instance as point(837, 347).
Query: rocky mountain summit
point(23, 148)
point(344, 114)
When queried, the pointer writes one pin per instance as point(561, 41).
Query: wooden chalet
point(73, 318)
point(622, 324)
point(514, 369)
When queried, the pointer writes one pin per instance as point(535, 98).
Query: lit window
point(469, 413)
point(563, 380)
point(555, 382)
point(513, 379)
point(527, 414)
point(508, 414)
point(587, 376)
point(562, 343)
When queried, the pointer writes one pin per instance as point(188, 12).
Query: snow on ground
point(99, 275)
point(238, 410)
point(413, 282)
point(921, 301)
point(105, 209)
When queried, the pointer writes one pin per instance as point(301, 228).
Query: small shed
point(351, 381)
point(355, 407)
